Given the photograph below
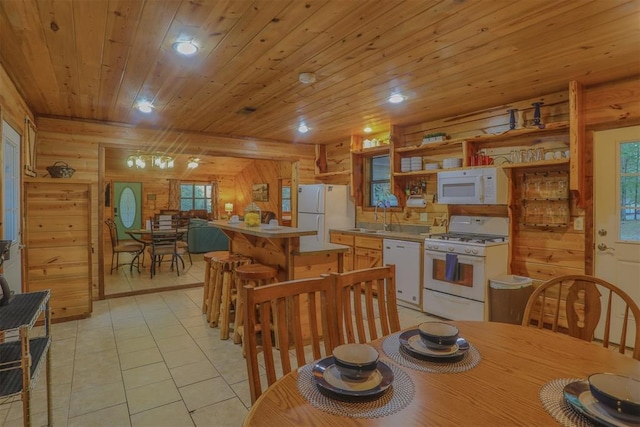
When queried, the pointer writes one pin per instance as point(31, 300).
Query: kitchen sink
point(362, 230)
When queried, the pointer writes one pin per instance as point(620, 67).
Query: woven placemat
point(395, 398)
point(554, 403)
point(391, 347)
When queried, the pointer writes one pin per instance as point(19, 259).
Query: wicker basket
point(60, 170)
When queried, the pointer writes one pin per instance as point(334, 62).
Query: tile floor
point(145, 360)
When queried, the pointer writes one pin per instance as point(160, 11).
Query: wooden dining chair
point(573, 305)
point(118, 247)
point(366, 304)
point(288, 319)
point(164, 243)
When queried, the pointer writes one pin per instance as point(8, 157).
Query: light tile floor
point(145, 360)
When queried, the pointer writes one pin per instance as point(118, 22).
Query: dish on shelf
point(579, 397)
point(452, 162)
point(411, 344)
point(330, 382)
point(431, 166)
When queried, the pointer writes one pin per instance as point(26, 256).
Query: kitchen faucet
point(384, 204)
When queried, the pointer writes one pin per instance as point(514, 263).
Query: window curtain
point(215, 196)
point(174, 194)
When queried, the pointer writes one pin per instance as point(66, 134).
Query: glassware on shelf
point(536, 114)
point(562, 189)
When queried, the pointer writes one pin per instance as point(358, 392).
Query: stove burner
point(469, 237)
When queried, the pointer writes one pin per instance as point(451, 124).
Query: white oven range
point(459, 264)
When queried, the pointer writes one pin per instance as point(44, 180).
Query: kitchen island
point(280, 247)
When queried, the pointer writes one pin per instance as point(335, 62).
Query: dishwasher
point(406, 256)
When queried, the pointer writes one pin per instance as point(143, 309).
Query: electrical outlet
point(424, 216)
point(578, 224)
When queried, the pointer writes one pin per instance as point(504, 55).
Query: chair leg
point(113, 254)
point(225, 306)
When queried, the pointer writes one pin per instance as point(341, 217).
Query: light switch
point(578, 224)
point(424, 216)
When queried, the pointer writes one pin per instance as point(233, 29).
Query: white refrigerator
point(324, 207)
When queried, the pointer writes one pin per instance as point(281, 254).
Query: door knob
point(604, 247)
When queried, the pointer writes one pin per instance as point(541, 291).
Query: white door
point(311, 198)
point(617, 212)
point(310, 221)
point(11, 201)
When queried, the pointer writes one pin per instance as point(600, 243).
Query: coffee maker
point(5, 294)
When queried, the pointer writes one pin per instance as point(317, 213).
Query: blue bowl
point(356, 361)
point(438, 335)
point(619, 393)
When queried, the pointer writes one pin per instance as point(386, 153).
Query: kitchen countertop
point(282, 232)
point(399, 235)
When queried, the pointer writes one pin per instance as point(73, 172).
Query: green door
point(127, 207)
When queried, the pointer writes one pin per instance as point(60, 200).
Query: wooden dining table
point(143, 235)
point(501, 390)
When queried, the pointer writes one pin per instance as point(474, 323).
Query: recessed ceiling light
point(145, 106)
point(367, 129)
point(396, 98)
point(185, 47)
point(307, 78)
point(303, 128)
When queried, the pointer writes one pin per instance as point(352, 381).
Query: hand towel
point(451, 268)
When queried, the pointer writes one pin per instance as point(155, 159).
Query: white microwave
point(481, 186)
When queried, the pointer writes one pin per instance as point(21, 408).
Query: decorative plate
point(330, 382)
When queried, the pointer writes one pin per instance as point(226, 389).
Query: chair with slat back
point(287, 316)
point(573, 305)
point(366, 304)
point(164, 242)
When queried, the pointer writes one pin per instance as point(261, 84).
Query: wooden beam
point(576, 142)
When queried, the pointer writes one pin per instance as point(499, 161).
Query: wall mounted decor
point(260, 192)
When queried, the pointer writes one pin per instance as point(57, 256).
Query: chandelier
point(160, 161)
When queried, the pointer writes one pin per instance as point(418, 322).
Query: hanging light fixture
point(160, 161)
point(193, 162)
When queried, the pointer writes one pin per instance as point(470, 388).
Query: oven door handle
point(461, 258)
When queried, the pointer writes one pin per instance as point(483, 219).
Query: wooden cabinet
point(367, 252)
point(18, 350)
point(58, 244)
point(545, 201)
point(347, 240)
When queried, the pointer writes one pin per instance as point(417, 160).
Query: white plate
point(334, 378)
point(416, 344)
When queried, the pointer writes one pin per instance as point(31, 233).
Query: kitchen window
point(195, 196)
point(379, 180)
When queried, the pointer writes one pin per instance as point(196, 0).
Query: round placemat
point(395, 398)
point(391, 347)
point(553, 401)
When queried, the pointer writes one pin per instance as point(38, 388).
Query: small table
point(502, 389)
point(143, 236)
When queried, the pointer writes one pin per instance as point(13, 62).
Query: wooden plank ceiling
point(95, 59)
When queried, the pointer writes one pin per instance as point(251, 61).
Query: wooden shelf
point(330, 174)
point(373, 150)
point(515, 133)
point(534, 164)
point(431, 146)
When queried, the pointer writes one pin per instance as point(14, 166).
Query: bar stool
point(208, 279)
point(222, 269)
point(249, 274)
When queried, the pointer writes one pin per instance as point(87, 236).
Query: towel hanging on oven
point(451, 270)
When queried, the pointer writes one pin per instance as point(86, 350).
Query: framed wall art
point(260, 192)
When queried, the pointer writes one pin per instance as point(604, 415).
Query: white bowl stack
point(416, 163)
point(405, 164)
point(453, 162)
point(431, 166)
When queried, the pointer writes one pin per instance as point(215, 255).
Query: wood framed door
point(127, 207)
point(11, 212)
point(617, 213)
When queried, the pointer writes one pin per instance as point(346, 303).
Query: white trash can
point(508, 296)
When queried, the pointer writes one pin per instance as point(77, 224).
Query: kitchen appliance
point(406, 257)
point(459, 264)
point(323, 207)
point(480, 186)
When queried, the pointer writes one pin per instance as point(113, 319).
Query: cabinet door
point(58, 244)
point(347, 240)
point(367, 258)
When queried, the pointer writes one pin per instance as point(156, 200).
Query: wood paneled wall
point(79, 143)
point(537, 253)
